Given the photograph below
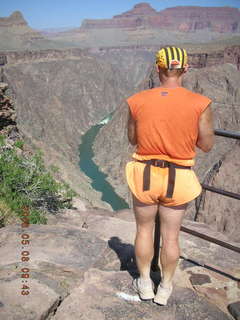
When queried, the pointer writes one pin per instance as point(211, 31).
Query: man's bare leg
point(145, 221)
point(171, 220)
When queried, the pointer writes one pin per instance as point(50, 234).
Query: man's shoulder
point(196, 95)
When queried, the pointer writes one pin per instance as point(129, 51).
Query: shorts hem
point(180, 202)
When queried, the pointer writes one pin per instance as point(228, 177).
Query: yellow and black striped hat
point(171, 58)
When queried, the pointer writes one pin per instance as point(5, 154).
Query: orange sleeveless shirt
point(167, 122)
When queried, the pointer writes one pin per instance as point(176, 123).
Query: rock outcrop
point(183, 19)
point(232, 55)
point(7, 113)
point(81, 265)
point(140, 9)
point(15, 19)
point(8, 126)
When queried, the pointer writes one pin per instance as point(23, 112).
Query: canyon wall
point(119, 56)
point(29, 56)
point(86, 85)
point(220, 211)
point(56, 102)
point(59, 96)
point(191, 19)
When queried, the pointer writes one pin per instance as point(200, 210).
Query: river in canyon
point(88, 166)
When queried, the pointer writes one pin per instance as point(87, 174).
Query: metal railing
point(3, 60)
point(155, 266)
point(227, 134)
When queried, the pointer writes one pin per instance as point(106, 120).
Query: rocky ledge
point(81, 265)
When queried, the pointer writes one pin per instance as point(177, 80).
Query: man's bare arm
point(132, 136)
point(205, 139)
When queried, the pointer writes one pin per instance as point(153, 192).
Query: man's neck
point(171, 83)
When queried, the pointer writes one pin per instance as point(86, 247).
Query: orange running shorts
point(186, 188)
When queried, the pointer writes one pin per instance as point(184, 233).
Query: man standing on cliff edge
point(166, 124)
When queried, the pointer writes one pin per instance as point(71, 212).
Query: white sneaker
point(144, 288)
point(163, 295)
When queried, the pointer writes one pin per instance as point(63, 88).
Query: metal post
point(155, 260)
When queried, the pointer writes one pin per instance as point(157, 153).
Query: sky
point(70, 13)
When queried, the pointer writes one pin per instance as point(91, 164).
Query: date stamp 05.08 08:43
point(25, 256)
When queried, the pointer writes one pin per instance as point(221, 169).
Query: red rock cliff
point(219, 19)
point(185, 19)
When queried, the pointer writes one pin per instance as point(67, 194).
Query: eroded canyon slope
point(56, 101)
point(59, 95)
point(220, 83)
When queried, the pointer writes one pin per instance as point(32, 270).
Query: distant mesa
point(15, 19)
point(182, 18)
point(16, 34)
point(138, 10)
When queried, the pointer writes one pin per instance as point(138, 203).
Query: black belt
point(163, 164)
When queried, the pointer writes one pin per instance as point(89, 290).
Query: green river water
point(88, 166)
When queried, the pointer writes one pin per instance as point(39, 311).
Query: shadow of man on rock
point(126, 255)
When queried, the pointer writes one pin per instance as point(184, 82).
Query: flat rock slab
point(104, 224)
point(107, 226)
point(76, 261)
point(54, 244)
point(37, 305)
point(109, 296)
point(59, 256)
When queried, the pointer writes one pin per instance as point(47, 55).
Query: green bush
point(2, 140)
point(19, 144)
point(24, 182)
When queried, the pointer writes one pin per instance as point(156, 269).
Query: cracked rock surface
point(82, 265)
